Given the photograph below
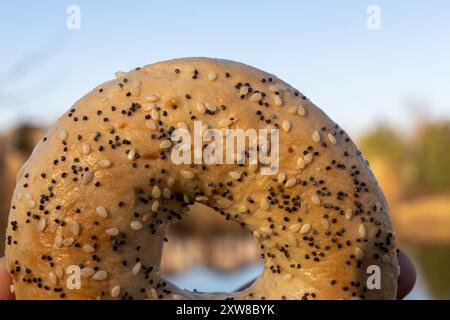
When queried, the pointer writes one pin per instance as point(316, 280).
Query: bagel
point(101, 189)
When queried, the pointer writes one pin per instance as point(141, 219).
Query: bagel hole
point(208, 253)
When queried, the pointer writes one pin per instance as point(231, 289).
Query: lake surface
point(432, 263)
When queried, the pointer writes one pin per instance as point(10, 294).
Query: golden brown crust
point(92, 183)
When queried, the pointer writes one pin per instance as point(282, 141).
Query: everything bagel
point(101, 189)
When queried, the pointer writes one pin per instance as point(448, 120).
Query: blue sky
point(360, 77)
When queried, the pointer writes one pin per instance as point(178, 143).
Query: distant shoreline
point(425, 219)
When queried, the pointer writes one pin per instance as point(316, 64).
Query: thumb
point(5, 282)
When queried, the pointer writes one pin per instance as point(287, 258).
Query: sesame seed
point(301, 110)
point(315, 199)
point(100, 275)
point(265, 230)
point(304, 207)
point(151, 124)
point(331, 138)
point(120, 74)
point(256, 97)
point(87, 177)
point(278, 101)
point(301, 163)
point(136, 268)
point(225, 122)
point(151, 98)
point(68, 242)
point(87, 272)
point(316, 136)
point(135, 90)
point(305, 228)
point(359, 253)
point(235, 175)
point(348, 214)
point(131, 154)
point(292, 109)
point(244, 90)
point(264, 205)
point(155, 206)
point(286, 125)
point(324, 223)
point(88, 248)
point(362, 230)
point(41, 224)
point(386, 258)
point(102, 212)
point(170, 182)
point(292, 240)
point(291, 182)
point(187, 174)
point(104, 163)
point(211, 107)
point(52, 278)
point(85, 149)
point(166, 144)
point(294, 228)
point(201, 107)
point(112, 231)
point(58, 242)
point(156, 192)
point(115, 291)
point(59, 272)
point(73, 227)
point(287, 277)
point(308, 158)
point(212, 76)
point(30, 204)
point(136, 225)
point(167, 193)
point(155, 114)
point(273, 88)
point(182, 125)
point(281, 177)
point(63, 134)
point(151, 293)
point(148, 107)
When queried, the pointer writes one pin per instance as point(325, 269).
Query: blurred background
point(381, 69)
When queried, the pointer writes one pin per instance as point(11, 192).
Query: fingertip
point(407, 277)
point(5, 282)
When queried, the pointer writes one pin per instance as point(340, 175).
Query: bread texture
point(100, 190)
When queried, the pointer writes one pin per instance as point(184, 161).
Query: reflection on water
point(433, 267)
point(432, 263)
point(207, 280)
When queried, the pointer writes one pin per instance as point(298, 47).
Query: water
point(432, 263)
point(433, 271)
point(204, 279)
